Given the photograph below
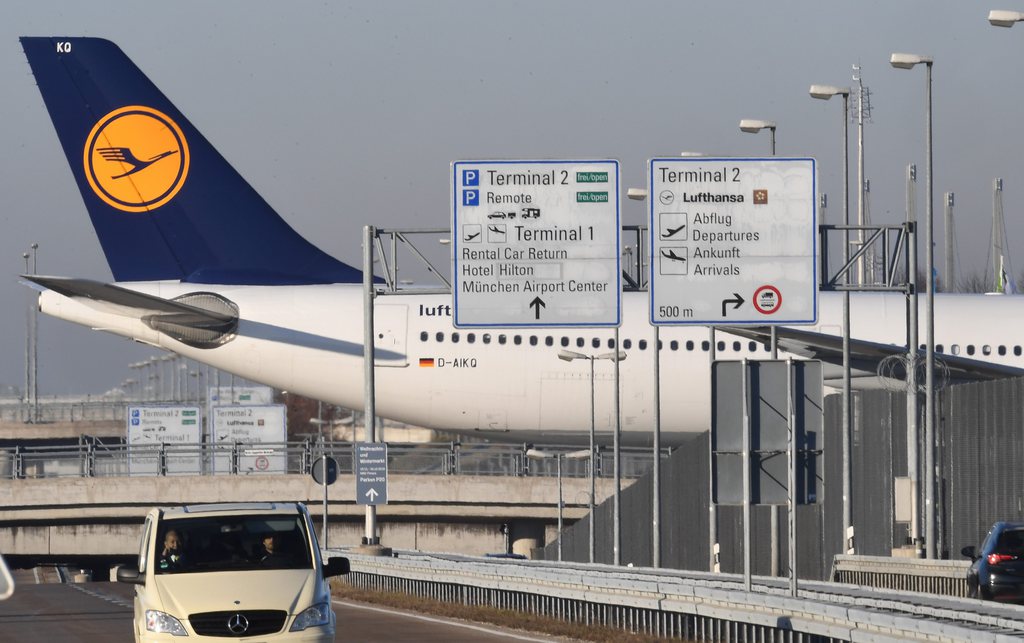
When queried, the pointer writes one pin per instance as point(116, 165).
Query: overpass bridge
point(54, 520)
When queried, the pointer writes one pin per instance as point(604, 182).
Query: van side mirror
point(336, 566)
point(130, 574)
point(969, 552)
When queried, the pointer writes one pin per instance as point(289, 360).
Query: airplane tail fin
point(164, 203)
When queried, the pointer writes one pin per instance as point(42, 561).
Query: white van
point(241, 570)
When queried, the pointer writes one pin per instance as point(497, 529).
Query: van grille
point(258, 622)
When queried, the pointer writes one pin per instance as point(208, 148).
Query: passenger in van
point(273, 553)
point(172, 556)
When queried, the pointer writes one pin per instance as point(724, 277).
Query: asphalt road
point(102, 612)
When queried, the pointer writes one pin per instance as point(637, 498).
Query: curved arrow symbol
point(736, 302)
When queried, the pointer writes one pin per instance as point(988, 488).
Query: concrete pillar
point(525, 536)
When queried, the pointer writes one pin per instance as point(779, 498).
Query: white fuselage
point(510, 383)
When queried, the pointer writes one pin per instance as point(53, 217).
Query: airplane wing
point(866, 357)
point(186, 322)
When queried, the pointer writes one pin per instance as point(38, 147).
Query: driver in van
point(172, 556)
point(273, 553)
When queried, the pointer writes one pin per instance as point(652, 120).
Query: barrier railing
point(690, 605)
point(93, 458)
point(945, 577)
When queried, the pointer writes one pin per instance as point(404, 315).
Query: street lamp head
point(621, 355)
point(752, 126)
point(825, 92)
point(568, 356)
point(907, 61)
point(637, 194)
point(537, 454)
point(998, 18)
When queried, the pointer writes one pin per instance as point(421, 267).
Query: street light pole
point(568, 356)
point(908, 61)
point(592, 540)
point(825, 92)
point(537, 454)
point(752, 126)
point(26, 395)
point(35, 343)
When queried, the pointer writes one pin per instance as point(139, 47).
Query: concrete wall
point(458, 514)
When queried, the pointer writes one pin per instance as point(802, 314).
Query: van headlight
point(319, 614)
point(165, 623)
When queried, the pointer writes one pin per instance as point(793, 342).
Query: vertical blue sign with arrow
point(371, 469)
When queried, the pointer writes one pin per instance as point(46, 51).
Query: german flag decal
point(427, 362)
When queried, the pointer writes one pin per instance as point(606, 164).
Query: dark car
point(997, 569)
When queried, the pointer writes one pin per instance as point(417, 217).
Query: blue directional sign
point(371, 469)
point(535, 243)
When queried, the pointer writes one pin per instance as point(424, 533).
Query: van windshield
point(222, 543)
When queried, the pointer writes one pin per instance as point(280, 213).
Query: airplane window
point(439, 337)
point(424, 336)
point(1002, 350)
point(938, 348)
point(705, 345)
point(580, 342)
point(611, 343)
point(970, 349)
point(736, 346)
point(502, 339)
point(721, 346)
point(627, 344)
point(642, 344)
point(455, 338)
point(565, 342)
point(955, 349)
point(596, 343)
point(689, 345)
point(517, 340)
point(487, 338)
point(986, 350)
point(533, 340)
point(752, 347)
point(661, 345)
point(674, 345)
point(471, 337)
point(549, 341)
point(1016, 351)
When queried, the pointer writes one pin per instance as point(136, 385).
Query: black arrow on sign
point(736, 302)
point(537, 304)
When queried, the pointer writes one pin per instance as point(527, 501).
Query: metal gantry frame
point(893, 243)
point(897, 245)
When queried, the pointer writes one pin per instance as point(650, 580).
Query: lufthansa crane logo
point(136, 159)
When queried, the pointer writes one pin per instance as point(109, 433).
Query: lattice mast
point(860, 113)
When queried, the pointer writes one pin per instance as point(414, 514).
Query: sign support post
point(371, 543)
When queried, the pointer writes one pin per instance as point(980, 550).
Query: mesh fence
point(980, 479)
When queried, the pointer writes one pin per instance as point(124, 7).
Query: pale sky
point(343, 115)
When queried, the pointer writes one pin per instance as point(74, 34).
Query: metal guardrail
point(94, 458)
point(690, 605)
point(944, 577)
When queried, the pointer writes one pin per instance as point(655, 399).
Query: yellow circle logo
point(136, 159)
